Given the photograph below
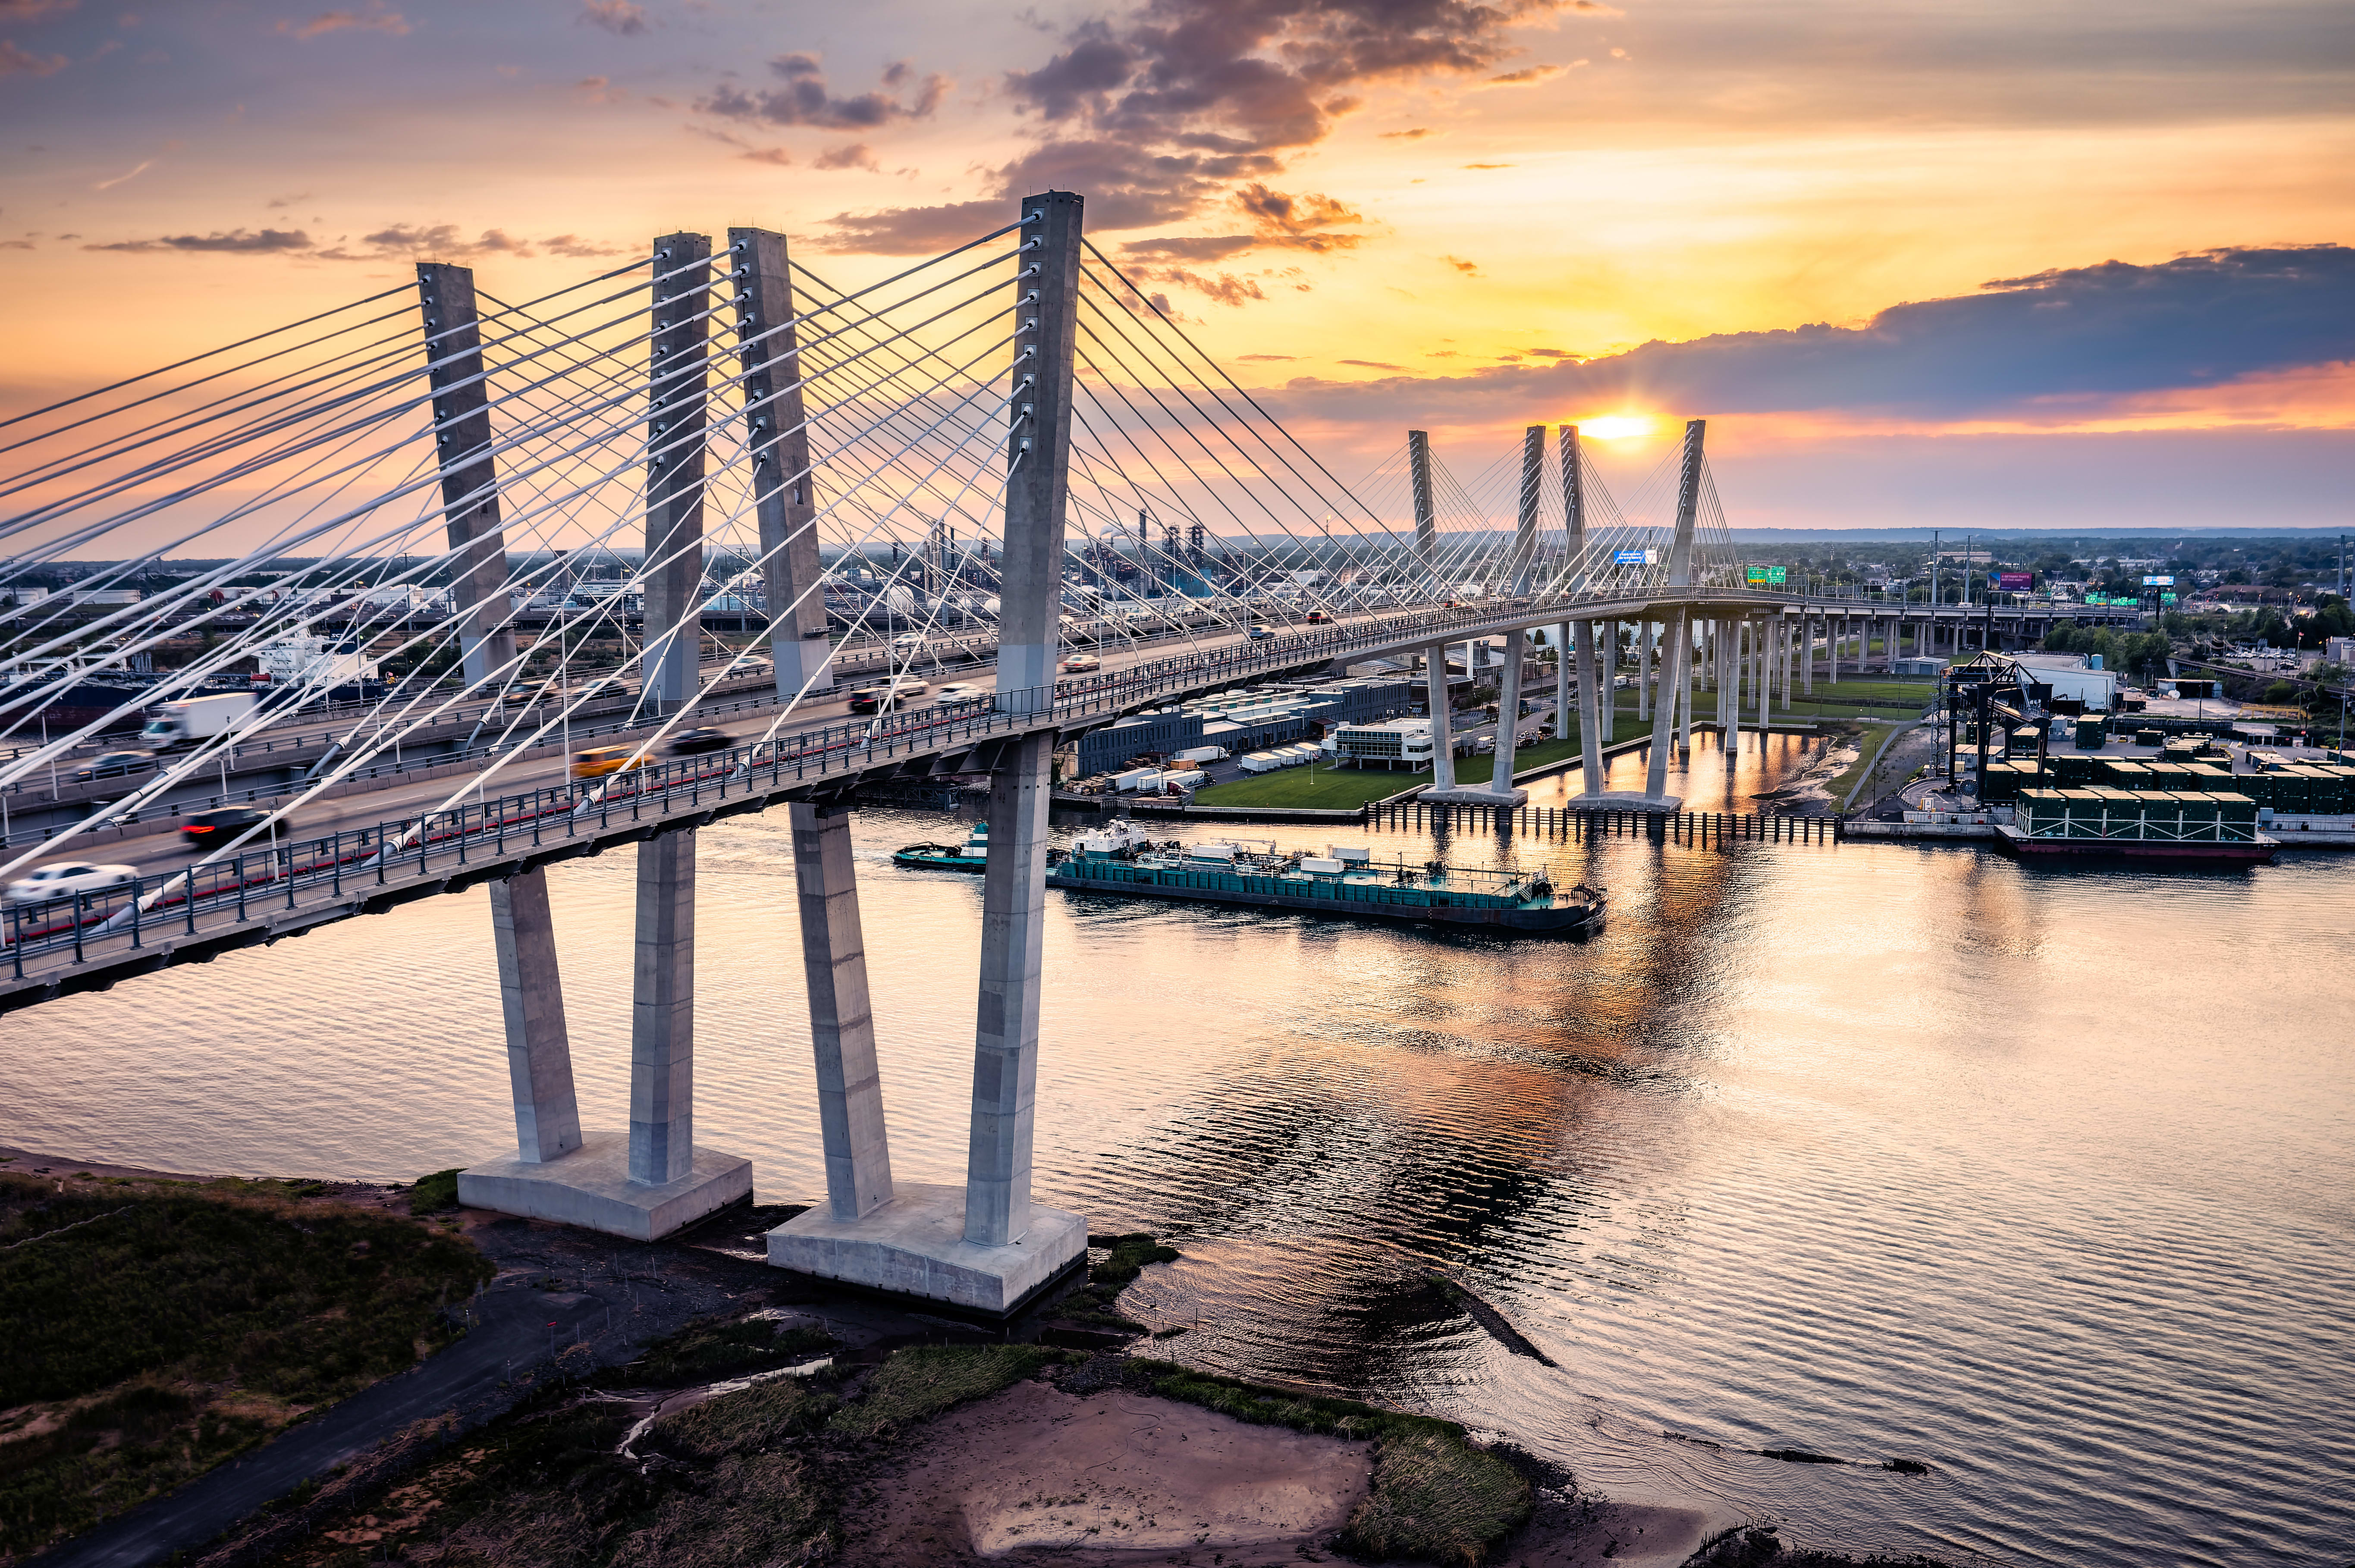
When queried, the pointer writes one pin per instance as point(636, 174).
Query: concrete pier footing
point(915, 1245)
point(590, 1188)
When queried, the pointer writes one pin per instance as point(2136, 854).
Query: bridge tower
point(470, 485)
point(677, 378)
point(650, 1180)
point(1675, 697)
point(785, 495)
point(985, 1245)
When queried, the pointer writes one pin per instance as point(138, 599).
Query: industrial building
point(1246, 719)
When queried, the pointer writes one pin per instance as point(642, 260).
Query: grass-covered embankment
point(1435, 1498)
point(155, 1328)
point(749, 1478)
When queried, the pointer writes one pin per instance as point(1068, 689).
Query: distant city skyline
point(2080, 267)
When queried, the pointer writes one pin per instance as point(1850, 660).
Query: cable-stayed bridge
point(680, 507)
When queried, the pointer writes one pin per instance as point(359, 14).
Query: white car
point(955, 693)
point(908, 640)
point(68, 877)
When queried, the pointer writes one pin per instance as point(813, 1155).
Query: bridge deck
point(257, 896)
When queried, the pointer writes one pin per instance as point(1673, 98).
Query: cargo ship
point(2210, 828)
point(1342, 882)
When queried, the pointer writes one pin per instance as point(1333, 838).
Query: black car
point(687, 742)
point(113, 764)
point(207, 829)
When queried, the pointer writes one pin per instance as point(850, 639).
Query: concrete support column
point(1644, 671)
point(1509, 713)
point(1006, 1036)
point(842, 1026)
point(1595, 694)
point(539, 1054)
point(1561, 673)
point(1683, 690)
point(662, 1013)
point(1664, 711)
point(1763, 646)
point(1442, 739)
point(1808, 654)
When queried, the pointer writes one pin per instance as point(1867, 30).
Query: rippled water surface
point(2041, 1178)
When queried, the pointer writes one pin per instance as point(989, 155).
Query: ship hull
point(951, 861)
point(1570, 921)
point(2211, 853)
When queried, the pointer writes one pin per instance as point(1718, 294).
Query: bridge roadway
point(950, 653)
point(360, 859)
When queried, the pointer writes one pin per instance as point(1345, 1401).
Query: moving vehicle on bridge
point(64, 878)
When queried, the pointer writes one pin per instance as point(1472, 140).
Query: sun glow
point(1616, 427)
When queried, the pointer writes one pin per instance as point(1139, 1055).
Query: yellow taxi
point(599, 761)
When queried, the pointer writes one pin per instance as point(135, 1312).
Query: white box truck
point(184, 723)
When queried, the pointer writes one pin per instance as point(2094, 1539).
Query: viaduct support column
point(1508, 723)
point(1564, 636)
point(1644, 670)
point(1594, 711)
point(540, 1055)
point(1442, 739)
point(842, 1027)
point(662, 1013)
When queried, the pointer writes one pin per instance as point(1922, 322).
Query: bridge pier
point(539, 1054)
point(650, 1180)
point(986, 1247)
point(842, 1025)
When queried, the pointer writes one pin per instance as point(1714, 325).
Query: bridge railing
point(227, 892)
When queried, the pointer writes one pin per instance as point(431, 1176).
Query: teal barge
point(1505, 902)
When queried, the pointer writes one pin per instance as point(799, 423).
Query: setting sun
point(1618, 427)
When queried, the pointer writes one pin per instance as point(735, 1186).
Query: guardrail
point(221, 894)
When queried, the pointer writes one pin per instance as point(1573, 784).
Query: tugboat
point(973, 855)
point(1254, 875)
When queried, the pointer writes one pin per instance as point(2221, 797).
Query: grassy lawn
point(1346, 789)
point(158, 1327)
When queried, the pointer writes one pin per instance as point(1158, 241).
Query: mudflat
point(1035, 1473)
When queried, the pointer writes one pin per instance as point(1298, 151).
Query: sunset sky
point(2055, 264)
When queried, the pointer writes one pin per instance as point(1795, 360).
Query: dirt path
point(1036, 1474)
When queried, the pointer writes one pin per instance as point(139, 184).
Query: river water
point(2041, 1179)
